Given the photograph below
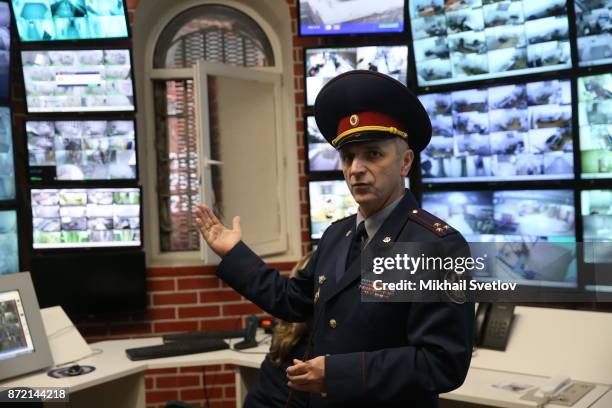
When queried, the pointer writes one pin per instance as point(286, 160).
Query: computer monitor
point(81, 150)
point(63, 20)
point(329, 201)
point(595, 119)
point(96, 80)
point(323, 64)
point(86, 218)
point(7, 168)
point(321, 155)
point(5, 51)
point(23, 345)
point(518, 132)
point(458, 41)
point(9, 248)
point(323, 17)
point(596, 209)
point(593, 33)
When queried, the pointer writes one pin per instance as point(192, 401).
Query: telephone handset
point(492, 326)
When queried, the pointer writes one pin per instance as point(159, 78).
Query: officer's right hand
point(219, 238)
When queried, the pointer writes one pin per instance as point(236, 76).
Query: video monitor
point(321, 155)
point(9, 248)
point(7, 168)
point(489, 216)
point(24, 346)
point(594, 31)
point(323, 64)
point(501, 133)
point(81, 150)
point(595, 119)
point(458, 41)
point(84, 218)
point(57, 20)
point(596, 209)
point(78, 81)
point(327, 17)
point(329, 202)
point(5, 51)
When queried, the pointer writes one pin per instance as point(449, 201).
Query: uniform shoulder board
point(431, 222)
point(345, 218)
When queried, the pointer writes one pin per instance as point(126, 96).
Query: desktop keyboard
point(201, 335)
point(178, 348)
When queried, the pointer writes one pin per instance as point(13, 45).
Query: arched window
point(215, 33)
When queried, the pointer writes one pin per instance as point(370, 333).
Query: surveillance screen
point(15, 339)
point(5, 50)
point(54, 20)
point(81, 150)
point(594, 31)
point(323, 64)
point(596, 209)
point(328, 17)
point(517, 221)
point(321, 155)
point(458, 41)
point(82, 218)
point(9, 250)
point(7, 168)
point(78, 81)
point(489, 216)
point(502, 133)
point(329, 202)
point(595, 119)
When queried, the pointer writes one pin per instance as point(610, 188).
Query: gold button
point(436, 224)
point(333, 323)
point(438, 229)
point(386, 240)
point(322, 279)
point(415, 211)
point(446, 227)
point(354, 120)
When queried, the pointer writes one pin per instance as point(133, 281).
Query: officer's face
point(374, 171)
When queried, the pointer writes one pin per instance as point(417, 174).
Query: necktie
point(359, 237)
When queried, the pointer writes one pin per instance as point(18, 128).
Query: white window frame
point(287, 147)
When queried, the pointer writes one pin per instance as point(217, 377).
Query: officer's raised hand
point(218, 237)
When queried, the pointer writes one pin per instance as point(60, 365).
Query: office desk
point(120, 383)
point(575, 344)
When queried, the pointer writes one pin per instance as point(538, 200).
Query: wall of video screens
point(78, 81)
point(470, 40)
point(57, 20)
point(323, 17)
point(82, 218)
point(322, 64)
point(509, 132)
point(81, 150)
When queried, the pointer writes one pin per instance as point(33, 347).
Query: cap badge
point(354, 120)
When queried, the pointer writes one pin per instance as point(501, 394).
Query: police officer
point(363, 354)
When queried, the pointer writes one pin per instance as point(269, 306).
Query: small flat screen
point(16, 339)
point(329, 17)
point(81, 150)
point(85, 218)
point(78, 81)
point(57, 20)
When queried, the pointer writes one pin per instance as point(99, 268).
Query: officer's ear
point(407, 156)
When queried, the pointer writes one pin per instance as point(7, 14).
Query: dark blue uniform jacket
point(379, 354)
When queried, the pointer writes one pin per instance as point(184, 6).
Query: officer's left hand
point(308, 375)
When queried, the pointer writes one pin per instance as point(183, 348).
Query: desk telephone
point(492, 326)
